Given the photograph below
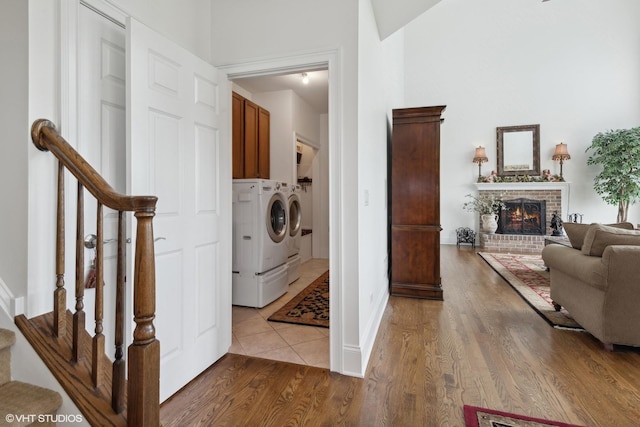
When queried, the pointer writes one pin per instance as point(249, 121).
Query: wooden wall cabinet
point(415, 203)
point(250, 139)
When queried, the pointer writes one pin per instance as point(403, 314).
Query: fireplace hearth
point(523, 216)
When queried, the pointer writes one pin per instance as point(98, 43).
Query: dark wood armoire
point(414, 174)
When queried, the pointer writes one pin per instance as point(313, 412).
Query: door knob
point(90, 241)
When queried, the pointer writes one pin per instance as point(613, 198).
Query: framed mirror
point(518, 150)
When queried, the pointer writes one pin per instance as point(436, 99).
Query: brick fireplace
point(556, 199)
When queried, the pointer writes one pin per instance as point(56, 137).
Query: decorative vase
point(489, 223)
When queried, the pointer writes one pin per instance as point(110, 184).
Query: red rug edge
point(471, 420)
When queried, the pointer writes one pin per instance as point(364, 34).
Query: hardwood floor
point(483, 346)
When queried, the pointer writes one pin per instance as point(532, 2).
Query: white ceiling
point(393, 15)
point(316, 93)
point(390, 17)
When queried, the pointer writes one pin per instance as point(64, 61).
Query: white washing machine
point(294, 234)
point(259, 260)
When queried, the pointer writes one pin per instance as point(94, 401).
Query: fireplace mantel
point(532, 186)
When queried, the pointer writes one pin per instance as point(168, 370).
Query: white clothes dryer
point(259, 259)
point(294, 234)
point(260, 220)
point(258, 290)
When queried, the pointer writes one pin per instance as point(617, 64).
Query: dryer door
point(277, 218)
point(295, 215)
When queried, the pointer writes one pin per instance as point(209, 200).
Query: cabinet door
point(415, 257)
point(415, 174)
point(264, 151)
point(251, 153)
point(238, 136)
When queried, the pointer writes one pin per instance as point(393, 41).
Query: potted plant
point(487, 207)
point(618, 152)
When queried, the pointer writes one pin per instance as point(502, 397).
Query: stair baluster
point(145, 349)
point(118, 372)
point(60, 294)
point(98, 338)
point(79, 315)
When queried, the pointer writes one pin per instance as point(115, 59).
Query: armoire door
point(415, 203)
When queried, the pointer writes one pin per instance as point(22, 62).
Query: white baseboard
point(356, 358)
point(11, 305)
point(352, 361)
point(372, 329)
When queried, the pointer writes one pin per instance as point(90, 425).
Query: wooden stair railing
point(143, 392)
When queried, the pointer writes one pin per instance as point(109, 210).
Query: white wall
point(185, 22)
point(380, 80)
point(572, 66)
point(44, 102)
point(305, 120)
point(14, 147)
point(280, 107)
point(392, 16)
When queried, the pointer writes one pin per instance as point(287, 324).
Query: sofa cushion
point(576, 232)
point(599, 236)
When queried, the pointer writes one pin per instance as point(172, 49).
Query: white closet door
point(178, 150)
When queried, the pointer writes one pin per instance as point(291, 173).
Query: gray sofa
point(598, 280)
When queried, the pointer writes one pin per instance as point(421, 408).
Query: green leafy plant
point(483, 204)
point(618, 152)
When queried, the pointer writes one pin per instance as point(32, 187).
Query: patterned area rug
point(481, 417)
point(528, 275)
point(309, 307)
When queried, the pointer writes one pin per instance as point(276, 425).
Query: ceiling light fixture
point(305, 78)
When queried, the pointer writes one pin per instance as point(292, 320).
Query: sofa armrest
point(622, 263)
point(621, 311)
point(572, 262)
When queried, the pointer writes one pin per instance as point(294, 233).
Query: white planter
point(489, 223)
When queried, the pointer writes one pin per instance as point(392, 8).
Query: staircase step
point(25, 402)
point(7, 339)
point(75, 378)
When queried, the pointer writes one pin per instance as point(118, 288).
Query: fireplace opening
point(523, 216)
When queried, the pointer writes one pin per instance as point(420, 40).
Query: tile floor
point(253, 335)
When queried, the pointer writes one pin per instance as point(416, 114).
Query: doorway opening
point(299, 129)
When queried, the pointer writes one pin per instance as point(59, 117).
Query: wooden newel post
point(143, 407)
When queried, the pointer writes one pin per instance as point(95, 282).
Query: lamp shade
point(480, 156)
point(561, 152)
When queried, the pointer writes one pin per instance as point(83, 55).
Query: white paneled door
point(177, 125)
